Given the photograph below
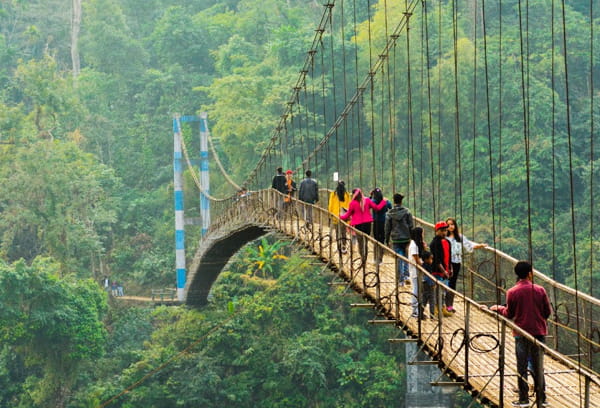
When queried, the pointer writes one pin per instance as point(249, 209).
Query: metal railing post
point(501, 361)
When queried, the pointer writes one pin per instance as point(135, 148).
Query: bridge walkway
point(474, 347)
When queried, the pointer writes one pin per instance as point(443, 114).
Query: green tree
point(54, 323)
point(288, 344)
point(265, 258)
point(47, 97)
point(107, 43)
point(65, 214)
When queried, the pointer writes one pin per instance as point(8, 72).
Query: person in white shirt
point(458, 243)
point(415, 250)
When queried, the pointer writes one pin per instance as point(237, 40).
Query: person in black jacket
point(309, 193)
point(379, 222)
point(398, 223)
point(442, 254)
point(278, 184)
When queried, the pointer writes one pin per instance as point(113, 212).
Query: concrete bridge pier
point(419, 392)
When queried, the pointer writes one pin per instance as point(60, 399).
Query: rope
point(571, 185)
point(525, 136)
point(314, 103)
point(438, 177)
point(592, 153)
point(194, 175)
point(323, 93)
point(343, 27)
point(421, 116)
point(490, 149)
point(334, 90)
point(411, 150)
point(306, 140)
point(355, 37)
point(392, 90)
point(592, 157)
point(219, 164)
point(553, 168)
point(361, 88)
point(474, 125)
point(392, 103)
point(275, 138)
point(301, 117)
point(433, 192)
point(372, 130)
point(382, 125)
point(500, 122)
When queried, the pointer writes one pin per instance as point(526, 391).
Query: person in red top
point(359, 212)
point(442, 254)
point(527, 304)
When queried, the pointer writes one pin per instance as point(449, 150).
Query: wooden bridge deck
point(564, 387)
point(478, 367)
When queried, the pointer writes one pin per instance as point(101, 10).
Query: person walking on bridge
point(278, 183)
point(458, 243)
point(379, 222)
point(398, 223)
point(527, 304)
point(339, 202)
point(442, 254)
point(308, 193)
point(290, 188)
point(360, 217)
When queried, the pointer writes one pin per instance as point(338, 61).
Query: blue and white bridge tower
point(180, 220)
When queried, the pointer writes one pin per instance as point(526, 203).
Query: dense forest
point(88, 90)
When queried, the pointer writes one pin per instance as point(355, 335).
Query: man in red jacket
point(527, 304)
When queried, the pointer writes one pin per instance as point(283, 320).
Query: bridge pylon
point(180, 220)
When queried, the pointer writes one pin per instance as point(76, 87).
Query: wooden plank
point(564, 387)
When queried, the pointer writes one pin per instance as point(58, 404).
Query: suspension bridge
point(407, 101)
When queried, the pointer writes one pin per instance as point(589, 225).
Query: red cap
point(441, 224)
point(289, 172)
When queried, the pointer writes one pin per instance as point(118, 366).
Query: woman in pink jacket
point(359, 213)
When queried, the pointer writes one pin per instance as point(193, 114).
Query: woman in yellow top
point(339, 201)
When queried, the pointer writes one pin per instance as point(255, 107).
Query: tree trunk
point(75, 26)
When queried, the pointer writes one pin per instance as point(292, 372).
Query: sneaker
point(520, 403)
point(451, 309)
point(545, 404)
point(445, 313)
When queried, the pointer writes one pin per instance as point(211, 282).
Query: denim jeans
point(400, 249)
point(527, 351)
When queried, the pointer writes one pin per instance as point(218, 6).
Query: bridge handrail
point(164, 292)
point(582, 295)
point(593, 376)
point(566, 333)
point(547, 350)
point(537, 273)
